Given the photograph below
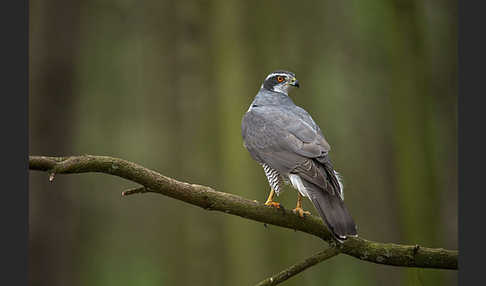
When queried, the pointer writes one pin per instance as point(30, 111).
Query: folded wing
point(289, 141)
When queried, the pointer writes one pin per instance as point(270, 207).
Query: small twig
point(209, 199)
point(139, 190)
point(299, 267)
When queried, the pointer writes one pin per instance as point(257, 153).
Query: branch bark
point(299, 267)
point(209, 199)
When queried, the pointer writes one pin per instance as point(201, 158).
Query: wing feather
point(289, 141)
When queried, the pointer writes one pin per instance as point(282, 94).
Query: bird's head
point(280, 81)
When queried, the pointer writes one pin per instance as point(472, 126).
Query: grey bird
point(290, 147)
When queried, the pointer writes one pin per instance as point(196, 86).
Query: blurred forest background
point(166, 83)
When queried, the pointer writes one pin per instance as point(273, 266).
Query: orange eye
point(280, 78)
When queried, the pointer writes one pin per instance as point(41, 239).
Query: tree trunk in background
point(228, 69)
point(54, 31)
point(194, 106)
point(416, 177)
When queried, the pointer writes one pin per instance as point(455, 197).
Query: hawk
point(284, 139)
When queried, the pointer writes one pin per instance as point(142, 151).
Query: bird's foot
point(301, 212)
point(272, 204)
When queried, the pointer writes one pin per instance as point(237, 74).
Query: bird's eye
point(280, 78)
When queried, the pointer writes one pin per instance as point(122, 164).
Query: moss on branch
point(209, 199)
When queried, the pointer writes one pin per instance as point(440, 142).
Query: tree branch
point(299, 267)
point(209, 199)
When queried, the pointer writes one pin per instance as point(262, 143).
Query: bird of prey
point(284, 139)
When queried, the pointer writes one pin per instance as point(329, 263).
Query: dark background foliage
point(165, 84)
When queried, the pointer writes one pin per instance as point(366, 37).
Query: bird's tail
point(332, 210)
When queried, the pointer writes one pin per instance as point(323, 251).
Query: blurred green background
point(166, 83)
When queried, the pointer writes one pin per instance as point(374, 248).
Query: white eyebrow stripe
point(274, 74)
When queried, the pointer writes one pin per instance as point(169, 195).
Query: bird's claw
point(301, 212)
point(272, 204)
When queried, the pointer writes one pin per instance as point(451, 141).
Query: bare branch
point(299, 267)
point(139, 190)
point(208, 198)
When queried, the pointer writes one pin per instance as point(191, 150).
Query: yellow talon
point(301, 212)
point(298, 209)
point(270, 202)
point(273, 204)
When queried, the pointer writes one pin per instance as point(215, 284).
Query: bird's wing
point(291, 145)
point(267, 141)
point(311, 135)
point(284, 140)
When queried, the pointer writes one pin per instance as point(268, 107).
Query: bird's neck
point(267, 97)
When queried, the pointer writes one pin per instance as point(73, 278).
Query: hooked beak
point(294, 82)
